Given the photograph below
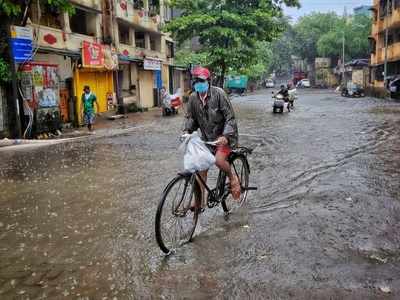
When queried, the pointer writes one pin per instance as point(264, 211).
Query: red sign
point(92, 55)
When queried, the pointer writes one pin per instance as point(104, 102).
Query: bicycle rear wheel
point(176, 217)
point(240, 168)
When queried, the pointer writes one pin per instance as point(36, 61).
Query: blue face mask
point(201, 87)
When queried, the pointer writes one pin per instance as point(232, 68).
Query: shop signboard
point(21, 43)
point(151, 64)
point(92, 55)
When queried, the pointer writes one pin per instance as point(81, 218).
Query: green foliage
point(355, 31)
point(14, 8)
point(229, 30)
point(321, 34)
point(4, 71)
point(186, 57)
point(308, 31)
point(10, 8)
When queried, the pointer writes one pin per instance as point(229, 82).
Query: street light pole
point(385, 67)
point(343, 69)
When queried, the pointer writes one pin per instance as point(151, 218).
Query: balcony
point(393, 20)
point(95, 4)
point(393, 54)
point(143, 18)
point(139, 53)
point(60, 40)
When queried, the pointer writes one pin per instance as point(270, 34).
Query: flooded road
point(77, 219)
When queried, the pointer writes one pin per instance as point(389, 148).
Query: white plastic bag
point(197, 156)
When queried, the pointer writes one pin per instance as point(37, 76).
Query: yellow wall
point(165, 76)
point(101, 83)
point(146, 83)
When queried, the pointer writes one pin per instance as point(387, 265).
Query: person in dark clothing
point(210, 110)
point(285, 93)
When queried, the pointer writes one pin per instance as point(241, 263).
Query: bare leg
point(224, 165)
point(203, 175)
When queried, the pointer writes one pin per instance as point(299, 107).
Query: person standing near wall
point(87, 107)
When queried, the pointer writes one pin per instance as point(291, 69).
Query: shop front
point(96, 71)
point(149, 82)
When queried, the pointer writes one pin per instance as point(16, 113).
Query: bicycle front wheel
point(240, 168)
point(177, 213)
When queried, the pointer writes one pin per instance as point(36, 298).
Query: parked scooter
point(170, 103)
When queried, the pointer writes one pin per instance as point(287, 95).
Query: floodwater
point(77, 219)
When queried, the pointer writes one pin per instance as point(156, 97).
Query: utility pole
point(344, 45)
point(18, 131)
point(385, 70)
point(343, 53)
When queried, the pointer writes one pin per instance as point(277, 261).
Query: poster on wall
point(48, 98)
point(92, 55)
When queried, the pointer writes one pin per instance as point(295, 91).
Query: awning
point(180, 68)
point(62, 52)
point(129, 58)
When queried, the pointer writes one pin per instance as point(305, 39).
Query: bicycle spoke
point(176, 223)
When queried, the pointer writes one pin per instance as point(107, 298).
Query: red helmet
point(202, 73)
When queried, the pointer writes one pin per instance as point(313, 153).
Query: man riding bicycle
point(210, 110)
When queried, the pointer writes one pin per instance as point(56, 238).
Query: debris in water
point(377, 258)
point(385, 289)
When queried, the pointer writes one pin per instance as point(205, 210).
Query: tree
point(356, 31)
point(228, 31)
point(308, 31)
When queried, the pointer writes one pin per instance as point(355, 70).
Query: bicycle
point(180, 213)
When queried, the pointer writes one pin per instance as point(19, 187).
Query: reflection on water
point(76, 220)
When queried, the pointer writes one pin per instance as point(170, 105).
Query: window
point(49, 16)
point(124, 36)
point(372, 45)
point(170, 50)
point(138, 4)
point(154, 8)
point(155, 43)
point(382, 7)
point(390, 39)
point(139, 40)
point(83, 22)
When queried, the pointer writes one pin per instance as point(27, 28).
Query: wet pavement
point(77, 219)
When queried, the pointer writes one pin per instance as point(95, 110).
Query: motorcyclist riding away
point(285, 93)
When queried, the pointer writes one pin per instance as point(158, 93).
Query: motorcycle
point(279, 103)
point(280, 100)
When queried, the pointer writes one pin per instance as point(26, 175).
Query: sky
point(308, 6)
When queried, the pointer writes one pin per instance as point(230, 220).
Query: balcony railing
point(55, 38)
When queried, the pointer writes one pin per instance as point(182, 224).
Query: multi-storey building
point(381, 21)
point(145, 53)
point(114, 46)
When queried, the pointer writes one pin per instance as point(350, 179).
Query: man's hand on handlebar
point(222, 141)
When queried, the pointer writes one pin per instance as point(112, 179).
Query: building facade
point(381, 21)
point(114, 46)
